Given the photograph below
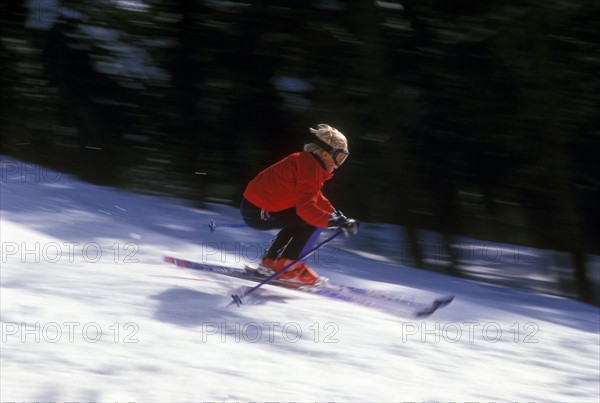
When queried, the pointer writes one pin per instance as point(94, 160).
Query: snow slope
point(89, 312)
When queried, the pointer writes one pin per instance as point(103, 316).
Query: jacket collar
point(328, 175)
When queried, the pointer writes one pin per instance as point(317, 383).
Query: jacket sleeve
point(311, 205)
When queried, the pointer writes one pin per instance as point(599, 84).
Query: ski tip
point(236, 299)
point(445, 301)
point(437, 304)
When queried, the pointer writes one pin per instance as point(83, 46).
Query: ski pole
point(237, 299)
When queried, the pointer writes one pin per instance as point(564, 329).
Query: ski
point(407, 305)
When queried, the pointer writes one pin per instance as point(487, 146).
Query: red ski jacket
point(296, 181)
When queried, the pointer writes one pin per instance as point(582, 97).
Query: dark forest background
point(475, 118)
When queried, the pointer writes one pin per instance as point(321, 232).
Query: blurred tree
point(467, 117)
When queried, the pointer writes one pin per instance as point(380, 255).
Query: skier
point(287, 196)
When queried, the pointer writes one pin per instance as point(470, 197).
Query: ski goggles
point(339, 156)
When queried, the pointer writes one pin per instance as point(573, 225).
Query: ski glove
point(340, 222)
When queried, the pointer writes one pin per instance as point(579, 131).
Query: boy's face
point(330, 165)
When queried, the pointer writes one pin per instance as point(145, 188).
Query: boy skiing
point(287, 196)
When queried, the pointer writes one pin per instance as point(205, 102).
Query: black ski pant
point(295, 238)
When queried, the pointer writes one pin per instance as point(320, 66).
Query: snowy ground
point(90, 313)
